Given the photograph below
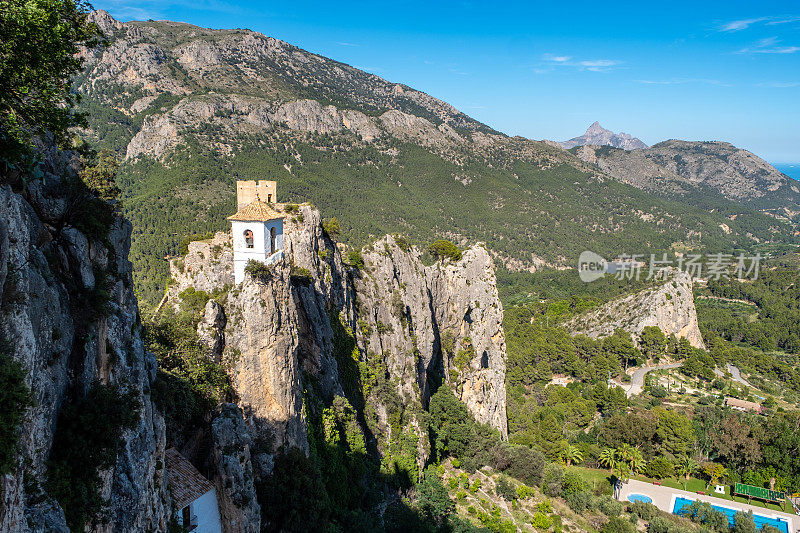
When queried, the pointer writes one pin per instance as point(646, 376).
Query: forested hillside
point(187, 110)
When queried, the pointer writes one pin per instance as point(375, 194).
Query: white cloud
point(599, 65)
point(737, 25)
point(346, 44)
point(593, 65)
point(682, 81)
point(769, 45)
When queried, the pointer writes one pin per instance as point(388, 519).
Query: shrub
point(332, 227)
point(15, 398)
point(659, 525)
point(258, 270)
point(573, 484)
point(553, 479)
point(657, 391)
point(475, 485)
point(443, 249)
point(579, 501)
point(617, 525)
point(300, 275)
point(86, 440)
point(660, 468)
point(609, 506)
point(402, 242)
point(292, 208)
point(505, 489)
point(526, 464)
point(193, 302)
point(354, 259)
point(743, 523)
point(541, 521)
point(524, 491)
point(644, 510)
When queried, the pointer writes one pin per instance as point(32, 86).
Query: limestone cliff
point(668, 305)
point(70, 318)
point(292, 322)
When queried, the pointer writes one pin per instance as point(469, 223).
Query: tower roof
point(256, 211)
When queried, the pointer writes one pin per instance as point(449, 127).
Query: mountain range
point(188, 110)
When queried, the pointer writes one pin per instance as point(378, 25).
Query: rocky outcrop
point(211, 328)
point(668, 305)
point(427, 324)
point(234, 477)
point(70, 318)
point(430, 321)
point(597, 135)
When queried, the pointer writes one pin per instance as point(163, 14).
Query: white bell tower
point(257, 228)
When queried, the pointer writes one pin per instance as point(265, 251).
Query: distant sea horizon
point(790, 169)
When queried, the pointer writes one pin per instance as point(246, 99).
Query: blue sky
point(546, 70)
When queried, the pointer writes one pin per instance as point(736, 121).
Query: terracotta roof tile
point(257, 211)
point(185, 482)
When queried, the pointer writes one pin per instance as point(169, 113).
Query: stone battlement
point(248, 192)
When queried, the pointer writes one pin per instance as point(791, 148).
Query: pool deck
point(663, 498)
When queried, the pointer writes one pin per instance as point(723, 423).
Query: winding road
point(637, 380)
point(737, 376)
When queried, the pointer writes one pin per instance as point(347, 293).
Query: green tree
point(443, 249)
point(608, 458)
point(743, 523)
point(433, 499)
point(686, 467)
point(100, 177)
point(39, 45)
point(571, 453)
point(620, 345)
point(15, 398)
point(653, 342)
point(675, 431)
point(332, 227)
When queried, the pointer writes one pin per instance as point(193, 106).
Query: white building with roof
point(193, 496)
point(257, 228)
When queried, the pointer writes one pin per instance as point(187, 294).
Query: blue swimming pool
point(639, 498)
point(760, 520)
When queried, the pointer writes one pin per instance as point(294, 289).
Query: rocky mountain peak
point(597, 135)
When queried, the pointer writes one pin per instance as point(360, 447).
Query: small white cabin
point(257, 228)
point(193, 496)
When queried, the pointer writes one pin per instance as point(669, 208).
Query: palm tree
point(608, 458)
point(622, 471)
point(686, 467)
point(625, 453)
point(636, 461)
point(572, 453)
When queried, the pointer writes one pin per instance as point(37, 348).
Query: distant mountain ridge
point(597, 135)
point(679, 167)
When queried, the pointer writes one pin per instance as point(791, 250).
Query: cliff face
point(294, 319)
point(436, 320)
point(70, 318)
point(670, 306)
